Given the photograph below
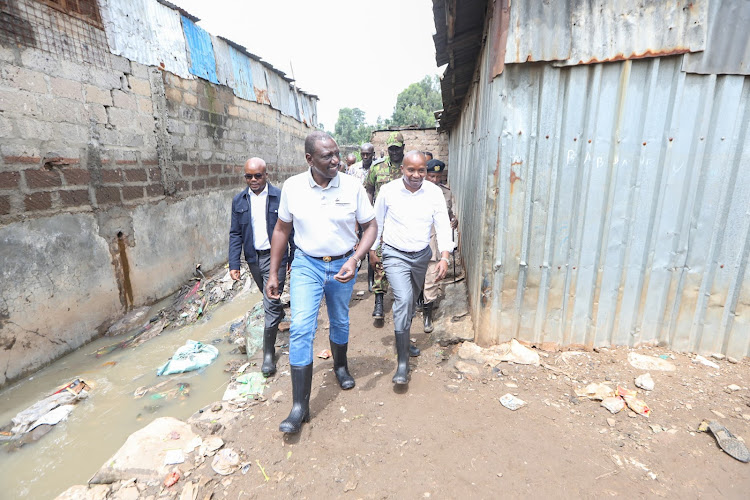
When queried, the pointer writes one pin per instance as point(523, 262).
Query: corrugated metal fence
point(607, 204)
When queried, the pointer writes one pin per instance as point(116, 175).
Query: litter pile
point(192, 356)
point(193, 301)
point(38, 419)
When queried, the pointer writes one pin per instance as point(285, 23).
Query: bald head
point(255, 174)
point(367, 152)
point(415, 157)
point(256, 162)
point(350, 159)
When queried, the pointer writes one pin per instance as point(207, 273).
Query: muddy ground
point(447, 436)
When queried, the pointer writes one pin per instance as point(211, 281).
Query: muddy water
point(73, 450)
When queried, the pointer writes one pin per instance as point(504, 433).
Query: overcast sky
point(350, 53)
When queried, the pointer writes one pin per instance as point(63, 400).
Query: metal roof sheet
point(728, 41)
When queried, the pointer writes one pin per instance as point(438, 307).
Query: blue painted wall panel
point(201, 51)
point(243, 76)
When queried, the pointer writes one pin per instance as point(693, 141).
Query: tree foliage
point(417, 104)
point(351, 127)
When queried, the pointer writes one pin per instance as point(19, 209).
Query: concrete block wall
point(114, 182)
point(420, 139)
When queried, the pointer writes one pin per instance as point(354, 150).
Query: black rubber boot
point(414, 350)
point(340, 367)
point(427, 315)
point(377, 312)
point(301, 386)
point(402, 350)
point(370, 276)
point(420, 302)
point(269, 352)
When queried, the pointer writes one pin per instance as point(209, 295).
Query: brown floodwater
point(75, 449)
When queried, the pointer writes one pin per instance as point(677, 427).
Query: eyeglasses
point(254, 176)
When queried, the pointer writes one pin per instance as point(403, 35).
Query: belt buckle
point(326, 259)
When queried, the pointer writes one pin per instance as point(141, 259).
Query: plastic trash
point(613, 404)
point(171, 479)
point(174, 457)
point(246, 385)
point(595, 391)
point(53, 417)
point(700, 359)
point(192, 356)
point(511, 402)
point(645, 382)
point(226, 462)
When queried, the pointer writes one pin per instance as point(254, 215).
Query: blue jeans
point(310, 279)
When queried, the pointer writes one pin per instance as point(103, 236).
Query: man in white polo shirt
point(405, 210)
point(323, 208)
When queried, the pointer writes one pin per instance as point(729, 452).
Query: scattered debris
point(171, 479)
point(226, 462)
point(611, 422)
point(192, 356)
point(729, 443)
point(613, 404)
point(645, 382)
point(262, 470)
point(734, 387)
point(38, 419)
point(324, 354)
point(512, 352)
point(650, 362)
point(707, 362)
point(511, 402)
point(247, 385)
point(174, 457)
point(596, 392)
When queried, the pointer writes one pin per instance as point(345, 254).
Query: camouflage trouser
point(433, 289)
point(380, 283)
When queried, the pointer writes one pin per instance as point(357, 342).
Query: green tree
point(417, 104)
point(351, 127)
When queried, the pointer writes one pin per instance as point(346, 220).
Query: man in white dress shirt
point(254, 212)
point(323, 207)
point(405, 210)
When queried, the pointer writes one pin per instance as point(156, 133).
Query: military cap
point(395, 139)
point(435, 166)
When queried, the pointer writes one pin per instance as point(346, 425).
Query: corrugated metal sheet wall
point(607, 204)
point(150, 33)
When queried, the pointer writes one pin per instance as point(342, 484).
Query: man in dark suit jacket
point(254, 214)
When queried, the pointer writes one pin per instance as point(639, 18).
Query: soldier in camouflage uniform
point(432, 286)
point(381, 174)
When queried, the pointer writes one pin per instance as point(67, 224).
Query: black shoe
point(427, 315)
point(340, 368)
point(402, 350)
point(269, 352)
point(301, 387)
point(377, 312)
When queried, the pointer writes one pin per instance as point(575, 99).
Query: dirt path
point(447, 435)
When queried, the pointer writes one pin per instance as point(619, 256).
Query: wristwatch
point(356, 260)
point(446, 260)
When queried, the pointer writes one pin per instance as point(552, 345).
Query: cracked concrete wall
point(115, 181)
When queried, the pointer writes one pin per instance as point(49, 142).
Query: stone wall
point(423, 139)
point(114, 182)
